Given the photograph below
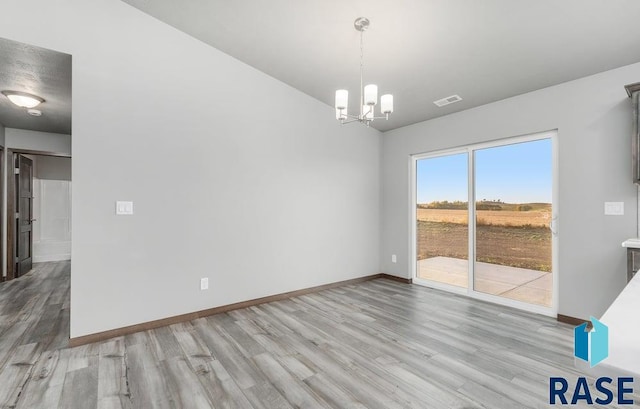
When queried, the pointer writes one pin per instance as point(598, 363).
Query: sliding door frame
point(554, 227)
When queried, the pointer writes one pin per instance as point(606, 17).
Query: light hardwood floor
point(378, 344)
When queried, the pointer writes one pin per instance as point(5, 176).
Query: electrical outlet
point(204, 283)
point(394, 259)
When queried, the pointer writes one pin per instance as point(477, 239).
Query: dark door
point(24, 216)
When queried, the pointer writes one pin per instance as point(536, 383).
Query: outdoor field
point(515, 235)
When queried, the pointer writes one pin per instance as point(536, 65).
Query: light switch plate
point(394, 259)
point(204, 283)
point(124, 208)
point(614, 208)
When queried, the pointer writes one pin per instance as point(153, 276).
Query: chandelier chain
point(361, 73)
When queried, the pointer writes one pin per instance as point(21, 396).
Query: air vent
point(448, 100)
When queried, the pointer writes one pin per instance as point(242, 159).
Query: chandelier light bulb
point(371, 94)
point(386, 104)
point(342, 99)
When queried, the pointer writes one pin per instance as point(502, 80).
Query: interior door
point(24, 216)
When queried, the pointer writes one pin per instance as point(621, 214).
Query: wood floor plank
point(243, 342)
point(215, 381)
point(165, 343)
point(294, 391)
point(256, 388)
point(45, 385)
point(113, 388)
point(183, 385)
point(16, 374)
point(364, 391)
point(147, 384)
point(239, 369)
point(230, 395)
point(265, 396)
point(334, 394)
point(80, 390)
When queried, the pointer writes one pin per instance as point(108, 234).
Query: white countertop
point(632, 243)
point(624, 330)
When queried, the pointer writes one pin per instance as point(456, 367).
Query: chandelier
point(368, 93)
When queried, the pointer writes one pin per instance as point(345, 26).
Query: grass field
point(534, 218)
point(506, 237)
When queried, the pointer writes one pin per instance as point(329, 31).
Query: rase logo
point(593, 347)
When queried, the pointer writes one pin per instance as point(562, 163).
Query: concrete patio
point(530, 286)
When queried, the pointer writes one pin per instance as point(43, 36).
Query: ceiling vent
point(448, 100)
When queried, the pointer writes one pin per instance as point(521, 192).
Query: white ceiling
point(418, 50)
point(38, 71)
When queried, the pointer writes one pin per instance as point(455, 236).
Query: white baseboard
point(51, 257)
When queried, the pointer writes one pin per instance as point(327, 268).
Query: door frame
point(555, 206)
point(10, 202)
point(3, 277)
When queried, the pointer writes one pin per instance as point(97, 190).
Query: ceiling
point(418, 50)
point(41, 72)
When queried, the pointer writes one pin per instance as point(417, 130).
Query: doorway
point(38, 123)
point(39, 199)
point(503, 247)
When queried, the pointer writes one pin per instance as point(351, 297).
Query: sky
point(518, 173)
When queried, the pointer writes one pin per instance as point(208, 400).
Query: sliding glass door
point(442, 227)
point(506, 254)
point(513, 189)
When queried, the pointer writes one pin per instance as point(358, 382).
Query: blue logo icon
point(591, 346)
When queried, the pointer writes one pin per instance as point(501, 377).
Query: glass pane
point(442, 219)
point(513, 212)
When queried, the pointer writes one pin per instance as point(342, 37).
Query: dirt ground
point(517, 246)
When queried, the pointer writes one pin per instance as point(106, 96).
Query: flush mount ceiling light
point(22, 99)
point(368, 94)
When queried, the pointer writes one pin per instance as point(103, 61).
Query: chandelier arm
point(369, 111)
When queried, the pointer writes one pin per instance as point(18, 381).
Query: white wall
point(51, 208)
point(53, 168)
point(593, 116)
point(39, 141)
point(234, 175)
